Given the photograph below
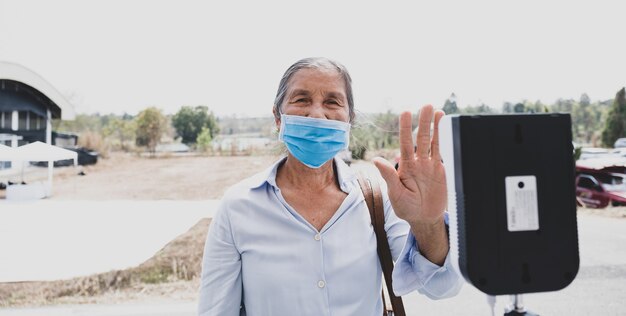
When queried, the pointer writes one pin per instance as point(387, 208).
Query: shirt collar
point(345, 174)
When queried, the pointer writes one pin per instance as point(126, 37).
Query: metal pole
point(518, 303)
point(516, 308)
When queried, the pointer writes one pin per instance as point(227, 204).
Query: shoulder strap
point(374, 201)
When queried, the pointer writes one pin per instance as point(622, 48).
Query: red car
point(598, 189)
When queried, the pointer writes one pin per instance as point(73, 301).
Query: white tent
point(39, 151)
point(6, 153)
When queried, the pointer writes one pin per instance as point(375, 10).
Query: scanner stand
point(517, 307)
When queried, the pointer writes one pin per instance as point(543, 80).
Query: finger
point(423, 131)
point(388, 172)
point(434, 146)
point(406, 138)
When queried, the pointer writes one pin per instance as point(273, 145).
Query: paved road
point(599, 288)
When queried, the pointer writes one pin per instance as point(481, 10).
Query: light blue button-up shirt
point(262, 254)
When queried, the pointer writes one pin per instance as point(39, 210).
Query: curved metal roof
point(59, 106)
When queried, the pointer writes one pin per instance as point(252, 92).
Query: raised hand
point(417, 190)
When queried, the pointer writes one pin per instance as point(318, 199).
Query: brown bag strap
point(374, 201)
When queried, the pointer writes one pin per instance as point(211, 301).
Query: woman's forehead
point(313, 79)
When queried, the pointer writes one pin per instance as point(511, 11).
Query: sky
point(123, 56)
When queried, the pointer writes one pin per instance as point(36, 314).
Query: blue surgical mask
point(313, 141)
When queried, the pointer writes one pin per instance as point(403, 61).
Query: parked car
point(600, 189)
point(620, 143)
point(593, 152)
point(619, 152)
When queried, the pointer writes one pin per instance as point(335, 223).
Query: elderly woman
point(296, 239)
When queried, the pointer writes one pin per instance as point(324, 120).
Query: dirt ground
point(130, 177)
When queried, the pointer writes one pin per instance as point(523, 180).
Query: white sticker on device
point(522, 210)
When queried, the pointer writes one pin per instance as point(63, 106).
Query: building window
point(41, 122)
point(22, 124)
point(6, 120)
point(586, 183)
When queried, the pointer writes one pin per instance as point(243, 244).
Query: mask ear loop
point(281, 128)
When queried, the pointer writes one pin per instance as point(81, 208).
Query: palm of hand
point(422, 195)
point(417, 190)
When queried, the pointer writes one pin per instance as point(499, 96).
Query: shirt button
point(321, 284)
point(317, 237)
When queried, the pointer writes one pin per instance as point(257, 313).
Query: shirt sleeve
point(221, 283)
point(412, 271)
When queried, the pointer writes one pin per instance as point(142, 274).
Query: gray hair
point(313, 63)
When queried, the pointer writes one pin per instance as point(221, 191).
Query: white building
point(28, 104)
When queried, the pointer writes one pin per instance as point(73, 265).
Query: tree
point(536, 107)
point(121, 130)
point(373, 132)
point(479, 109)
point(519, 108)
point(389, 125)
point(507, 107)
point(450, 106)
point(81, 123)
point(562, 105)
point(150, 125)
point(615, 126)
point(584, 100)
point(189, 122)
point(204, 140)
point(363, 137)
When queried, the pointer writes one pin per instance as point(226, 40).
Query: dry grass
point(172, 272)
point(94, 141)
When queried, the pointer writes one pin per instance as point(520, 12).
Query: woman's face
point(317, 93)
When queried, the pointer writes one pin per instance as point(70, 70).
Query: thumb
point(387, 171)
